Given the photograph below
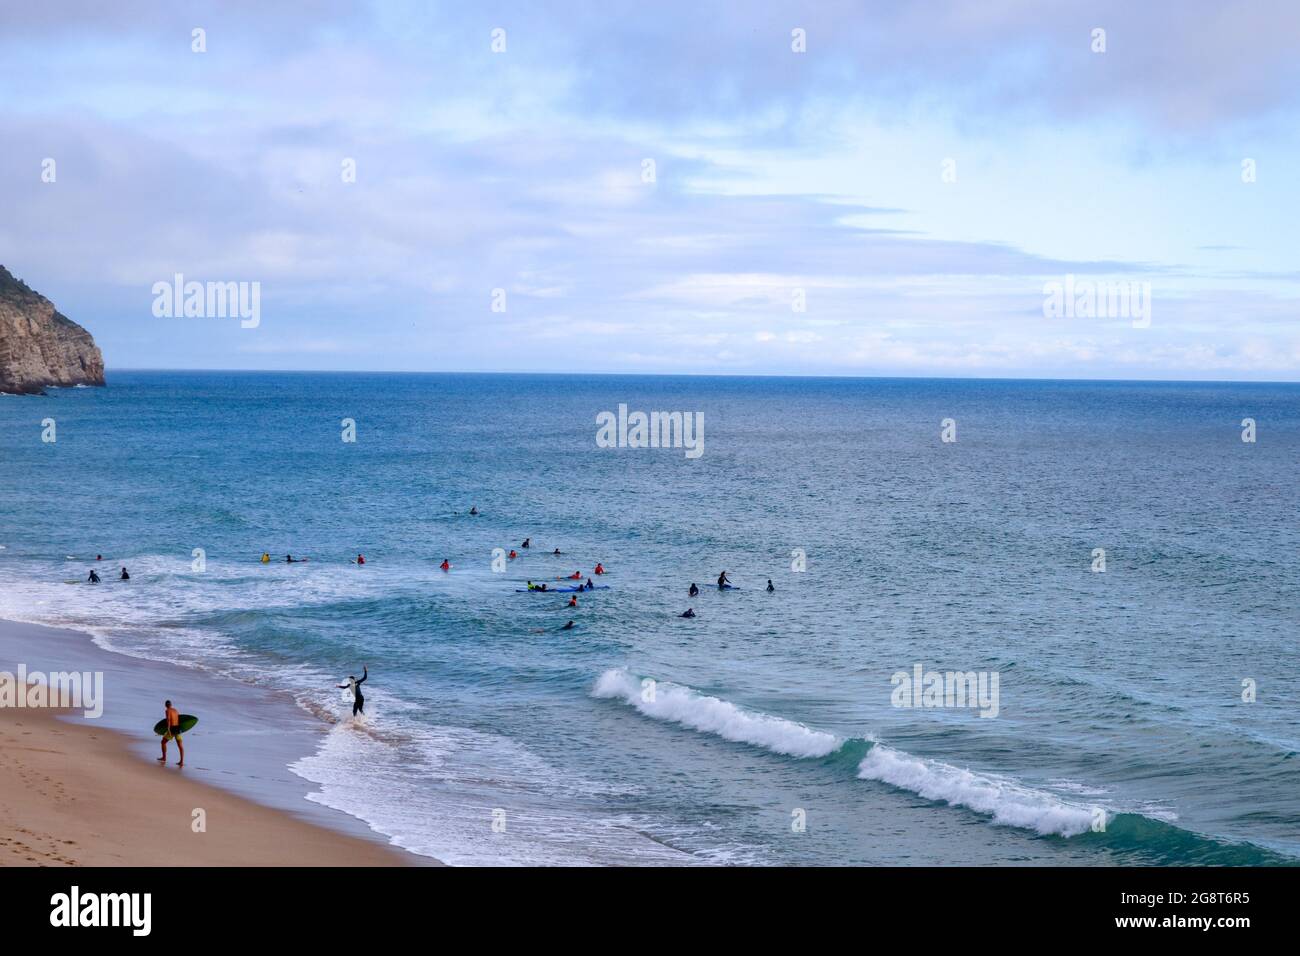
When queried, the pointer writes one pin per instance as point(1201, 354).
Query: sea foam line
point(711, 715)
point(1008, 803)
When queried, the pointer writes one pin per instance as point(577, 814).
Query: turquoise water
point(1120, 693)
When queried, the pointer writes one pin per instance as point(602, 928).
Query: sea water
point(1113, 554)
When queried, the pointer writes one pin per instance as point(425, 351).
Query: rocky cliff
point(39, 346)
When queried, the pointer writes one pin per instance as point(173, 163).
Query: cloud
point(524, 172)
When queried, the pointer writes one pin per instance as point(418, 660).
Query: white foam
point(712, 715)
point(1008, 803)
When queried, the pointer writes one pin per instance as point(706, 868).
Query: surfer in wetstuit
point(173, 733)
point(354, 685)
point(722, 580)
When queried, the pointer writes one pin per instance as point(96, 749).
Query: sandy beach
point(88, 791)
point(74, 794)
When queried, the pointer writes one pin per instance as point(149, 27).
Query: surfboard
point(187, 724)
point(598, 587)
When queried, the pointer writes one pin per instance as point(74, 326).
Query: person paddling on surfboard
point(173, 733)
point(689, 612)
point(354, 685)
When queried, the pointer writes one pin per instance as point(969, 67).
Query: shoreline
point(88, 791)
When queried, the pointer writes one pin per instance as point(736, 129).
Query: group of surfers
point(723, 583)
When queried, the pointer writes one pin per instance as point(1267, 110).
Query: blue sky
point(775, 171)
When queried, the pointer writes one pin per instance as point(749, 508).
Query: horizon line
point(780, 375)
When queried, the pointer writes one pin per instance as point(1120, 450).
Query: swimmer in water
point(568, 627)
point(573, 601)
point(556, 552)
point(446, 565)
point(124, 576)
point(354, 685)
point(474, 510)
point(694, 591)
point(770, 589)
point(689, 612)
point(361, 559)
point(513, 554)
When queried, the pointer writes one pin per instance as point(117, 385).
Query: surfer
point(722, 580)
point(94, 578)
point(770, 589)
point(568, 627)
point(573, 601)
point(124, 576)
point(173, 733)
point(513, 554)
point(590, 585)
point(575, 576)
point(266, 558)
point(694, 591)
point(528, 543)
point(689, 612)
point(556, 552)
point(474, 510)
point(99, 557)
point(446, 565)
point(600, 568)
point(354, 685)
point(361, 559)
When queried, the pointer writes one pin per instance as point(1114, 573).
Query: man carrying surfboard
point(173, 718)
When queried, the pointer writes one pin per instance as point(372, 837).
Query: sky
point(822, 188)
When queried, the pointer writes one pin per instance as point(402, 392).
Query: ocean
point(1144, 714)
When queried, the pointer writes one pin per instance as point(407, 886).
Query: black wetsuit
point(125, 576)
point(93, 579)
point(358, 702)
point(694, 591)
